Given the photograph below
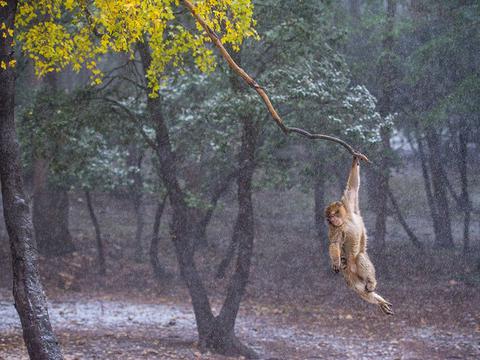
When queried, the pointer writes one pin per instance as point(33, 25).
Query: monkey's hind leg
point(385, 306)
point(373, 298)
point(366, 271)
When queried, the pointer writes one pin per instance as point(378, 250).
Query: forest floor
point(429, 324)
point(294, 306)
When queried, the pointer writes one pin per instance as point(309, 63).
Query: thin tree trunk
point(135, 160)
point(217, 193)
point(159, 271)
point(396, 208)
point(462, 168)
point(28, 294)
point(444, 238)
point(427, 183)
point(102, 269)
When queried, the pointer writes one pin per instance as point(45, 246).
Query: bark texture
point(29, 298)
point(159, 271)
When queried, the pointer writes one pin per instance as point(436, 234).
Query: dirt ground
point(294, 308)
point(445, 325)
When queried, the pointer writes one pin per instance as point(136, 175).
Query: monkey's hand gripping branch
point(261, 91)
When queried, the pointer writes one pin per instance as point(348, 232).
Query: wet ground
point(164, 328)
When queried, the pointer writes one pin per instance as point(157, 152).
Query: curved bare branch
point(261, 91)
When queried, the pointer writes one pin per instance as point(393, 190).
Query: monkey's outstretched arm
point(350, 196)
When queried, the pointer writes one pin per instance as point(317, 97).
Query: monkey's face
point(335, 214)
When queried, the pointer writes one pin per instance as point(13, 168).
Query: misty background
point(398, 80)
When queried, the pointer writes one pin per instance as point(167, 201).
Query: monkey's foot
point(386, 308)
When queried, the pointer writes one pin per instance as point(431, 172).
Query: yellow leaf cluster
point(61, 33)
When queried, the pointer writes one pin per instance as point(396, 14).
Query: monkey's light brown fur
point(348, 243)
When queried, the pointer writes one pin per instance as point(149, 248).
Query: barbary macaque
point(348, 242)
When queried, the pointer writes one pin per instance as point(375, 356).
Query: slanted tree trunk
point(102, 269)
point(159, 271)
point(30, 301)
point(211, 330)
point(396, 208)
point(443, 232)
point(50, 203)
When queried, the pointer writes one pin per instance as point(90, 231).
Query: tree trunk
point(50, 203)
point(210, 328)
point(159, 271)
point(30, 301)
point(465, 198)
point(222, 338)
point(102, 269)
point(220, 188)
point(428, 184)
point(135, 160)
point(443, 233)
point(396, 208)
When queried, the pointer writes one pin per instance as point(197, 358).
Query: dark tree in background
point(50, 201)
point(29, 298)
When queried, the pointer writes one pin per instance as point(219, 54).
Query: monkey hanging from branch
point(348, 242)
point(347, 231)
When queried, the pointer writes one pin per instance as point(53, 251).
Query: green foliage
point(79, 137)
